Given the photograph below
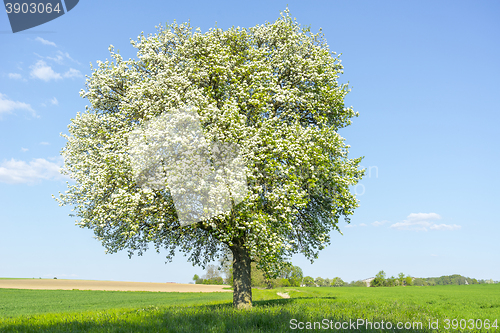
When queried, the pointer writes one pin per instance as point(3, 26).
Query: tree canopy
point(271, 90)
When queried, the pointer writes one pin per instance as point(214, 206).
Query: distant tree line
point(334, 282)
point(293, 276)
point(289, 277)
point(380, 280)
point(449, 279)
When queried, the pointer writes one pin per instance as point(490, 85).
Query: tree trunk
point(242, 283)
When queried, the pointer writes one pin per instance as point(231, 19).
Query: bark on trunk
point(242, 282)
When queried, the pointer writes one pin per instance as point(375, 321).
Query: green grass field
point(111, 311)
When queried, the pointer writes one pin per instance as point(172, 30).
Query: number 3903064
point(32, 8)
point(470, 324)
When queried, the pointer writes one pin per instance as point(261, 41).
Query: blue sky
point(424, 78)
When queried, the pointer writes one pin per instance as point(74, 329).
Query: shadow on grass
point(285, 301)
point(276, 315)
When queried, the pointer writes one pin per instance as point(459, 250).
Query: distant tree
point(435, 281)
point(293, 274)
point(454, 279)
point(320, 281)
point(458, 280)
point(408, 281)
point(420, 282)
point(258, 277)
point(401, 279)
point(296, 276)
point(358, 283)
point(212, 272)
point(390, 282)
point(309, 281)
point(272, 283)
point(211, 276)
point(216, 280)
point(284, 283)
point(339, 282)
point(230, 278)
point(379, 280)
point(290, 276)
point(226, 267)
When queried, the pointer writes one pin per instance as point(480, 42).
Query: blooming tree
point(272, 92)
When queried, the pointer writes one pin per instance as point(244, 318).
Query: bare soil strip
point(55, 284)
point(284, 295)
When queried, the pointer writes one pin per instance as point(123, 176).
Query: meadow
point(308, 309)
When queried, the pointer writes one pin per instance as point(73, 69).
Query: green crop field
point(327, 309)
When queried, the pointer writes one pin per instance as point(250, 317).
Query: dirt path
point(284, 295)
point(108, 285)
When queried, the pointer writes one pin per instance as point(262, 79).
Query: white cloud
point(445, 227)
point(423, 222)
point(7, 106)
point(379, 223)
point(44, 72)
point(350, 226)
point(15, 76)
point(43, 143)
point(60, 56)
point(19, 172)
point(434, 255)
point(24, 149)
point(423, 216)
point(73, 73)
point(45, 42)
point(66, 54)
point(362, 225)
point(54, 101)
